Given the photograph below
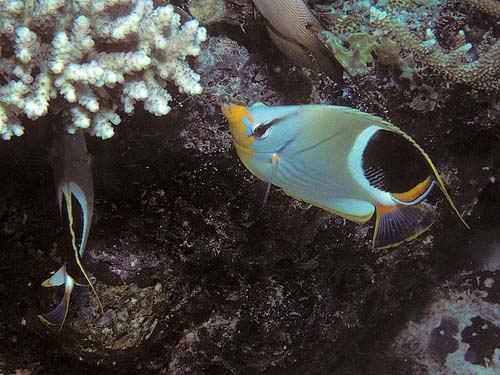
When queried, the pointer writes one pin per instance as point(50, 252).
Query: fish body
point(75, 198)
point(343, 160)
point(294, 29)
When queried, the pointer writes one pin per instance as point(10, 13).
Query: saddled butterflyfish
point(294, 30)
point(345, 161)
point(75, 198)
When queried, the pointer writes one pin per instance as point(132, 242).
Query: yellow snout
point(235, 115)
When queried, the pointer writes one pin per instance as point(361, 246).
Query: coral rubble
point(458, 333)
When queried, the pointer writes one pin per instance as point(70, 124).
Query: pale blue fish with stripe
point(345, 161)
point(74, 185)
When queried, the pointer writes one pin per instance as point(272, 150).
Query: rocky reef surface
point(196, 278)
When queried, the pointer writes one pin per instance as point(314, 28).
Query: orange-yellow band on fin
point(414, 193)
point(436, 174)
point(384, 209)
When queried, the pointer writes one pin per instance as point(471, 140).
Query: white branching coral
point(97, 57)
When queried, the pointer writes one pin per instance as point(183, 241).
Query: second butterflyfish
point(345, 161)
point(75, 198)
point(294, 30)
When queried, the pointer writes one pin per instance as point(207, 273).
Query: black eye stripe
point(259, 130)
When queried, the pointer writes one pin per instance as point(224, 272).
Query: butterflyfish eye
point(261, 130)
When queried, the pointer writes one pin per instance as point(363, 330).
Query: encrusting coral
point(411, 24)
point(491, 7)
point(100, 56)
point(483, 73)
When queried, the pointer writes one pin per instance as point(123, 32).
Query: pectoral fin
point(397, 224)
point(57, 316)
point(264, 187)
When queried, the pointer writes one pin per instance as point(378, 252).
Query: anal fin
point(397, 224)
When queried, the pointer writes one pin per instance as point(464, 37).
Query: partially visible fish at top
point(294, 29)
point(75, 198)
point(345, 161)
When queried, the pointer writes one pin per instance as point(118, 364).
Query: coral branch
point(483, 73)
point(98, 56)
